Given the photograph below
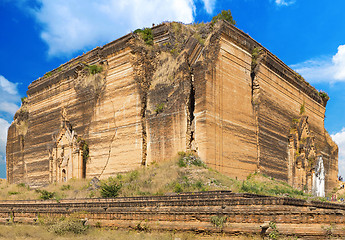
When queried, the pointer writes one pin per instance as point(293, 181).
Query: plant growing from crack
point(275, 233)
point(159, 108)
point(302, 109)
point(94, 69)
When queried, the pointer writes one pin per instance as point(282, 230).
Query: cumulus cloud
point(284, 2)
point(9, 96)
point(209, 5)
point(324, 69)
point(4, 125)
point(339, 138)
point(9, 99)
point(72, 25)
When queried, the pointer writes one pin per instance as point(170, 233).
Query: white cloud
point(324, 69)
point(8, 107)
point(8, 86)
point(4, 125)
point(72, 25)
point(9, 98)
point(284, 2)
point(339, 138)
point(209, 5)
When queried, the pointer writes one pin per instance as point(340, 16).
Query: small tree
point(224, 15)
point(110, 188)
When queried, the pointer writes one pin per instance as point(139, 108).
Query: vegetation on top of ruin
point(24, 100)
point(146, 35)
point(224, 15)
point(323, 95)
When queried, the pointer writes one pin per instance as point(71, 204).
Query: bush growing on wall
point(224, 15)
point(94, 69)
point(146, 35)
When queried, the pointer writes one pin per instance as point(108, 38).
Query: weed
point(45, 195)
point(13, 193)
point(275, 233)
point(178, 188)
point(181, 163)
point(218, 221)
point(133, 175)
point(48, 74)
point(174, 52)
point(21, 185)
point(302, 109)
point(199, 184)
point(295, 120)
point(159, 108)
point(141, 228)
point(98, 225)
point(65, 187)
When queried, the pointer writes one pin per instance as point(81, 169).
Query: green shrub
point(224, 15)
point(181, 163)
point(45, 195)
point(23, 99)
point(13, 193)
point(146, 35)
point(218, 221)
point(110, 188)
point(48, 74)
point(159, 108)
point(94, 69)
point(68, 225)
point(324, 95)
point(133, 175)
point(275, 233)
point(21, 185)
point(65, 187)
point(178, 188)
point(302, 109)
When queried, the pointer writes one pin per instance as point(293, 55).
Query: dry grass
point(72, 189)
point(30, 232)
point(158, 179)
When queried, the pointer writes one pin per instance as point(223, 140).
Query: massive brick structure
point(212, 90)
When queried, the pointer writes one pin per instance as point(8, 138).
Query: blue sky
point(38, 35)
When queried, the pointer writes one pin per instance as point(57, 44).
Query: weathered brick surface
point(190, 211)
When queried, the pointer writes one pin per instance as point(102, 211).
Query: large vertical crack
point(144, 64)
point(257, 57)
point(190, 114)
point(143, 125)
